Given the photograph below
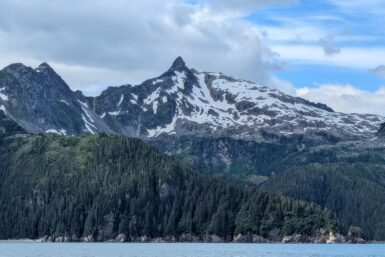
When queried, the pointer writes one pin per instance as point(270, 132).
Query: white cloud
point(351, 57)
point(346, 98)
point(282, 85)
point(92, 42)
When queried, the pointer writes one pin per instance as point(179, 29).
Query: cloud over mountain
point(346, 98)
point(130, 40)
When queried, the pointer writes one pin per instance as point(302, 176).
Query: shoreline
point(208, 239)
point(17, 241)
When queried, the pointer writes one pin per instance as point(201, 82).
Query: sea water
point(17, 249)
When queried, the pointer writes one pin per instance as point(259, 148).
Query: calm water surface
point(17, 249)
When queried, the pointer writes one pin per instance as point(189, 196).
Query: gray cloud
point(125, 41)
point(329, 46)
point(380, 70)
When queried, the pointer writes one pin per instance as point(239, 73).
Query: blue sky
point(313, 75)
point(342, 26)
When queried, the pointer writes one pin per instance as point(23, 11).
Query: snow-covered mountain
point(183, 101)
point(180, 102)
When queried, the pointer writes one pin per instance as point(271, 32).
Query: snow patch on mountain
point(62, 132)
point(2, 95)
point(87, 119)
point(168, 129)
point(87, 114)
point(83, 104)
point(134, 100)
point(64, 101)
point(155, 106)
point(116, 113)
point(157, 81)
point(121, 100)
point(88, 125)
point(154, 95)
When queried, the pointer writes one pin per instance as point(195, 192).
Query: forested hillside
point(347, 178)
point(354, 191)
point(102, 186)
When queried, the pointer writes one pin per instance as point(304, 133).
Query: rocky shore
point(321, 238)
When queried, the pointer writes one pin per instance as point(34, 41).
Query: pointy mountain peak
point(44, 65)
point(178, 64)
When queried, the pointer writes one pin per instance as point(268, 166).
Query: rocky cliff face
point(40, 101)
point(381, 131)
point(8, 127)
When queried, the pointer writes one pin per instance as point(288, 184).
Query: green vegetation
point(355, 192)
point(106, 185)
point(223, 156)
point(345, 178)
point(355, 232)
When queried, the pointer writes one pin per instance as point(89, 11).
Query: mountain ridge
point(41, 102)
point(181, 101)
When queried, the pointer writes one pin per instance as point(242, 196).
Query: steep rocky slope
point(40, 101)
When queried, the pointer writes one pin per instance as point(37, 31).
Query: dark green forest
point(345, 178)
point(106, 185)
point(355, 192)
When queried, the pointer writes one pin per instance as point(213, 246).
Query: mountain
point(41, 102)
point(225, 127)
point(98, 188)
point(181, 111)
point(184, 102)
point(220, 125)
point(180, 102)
